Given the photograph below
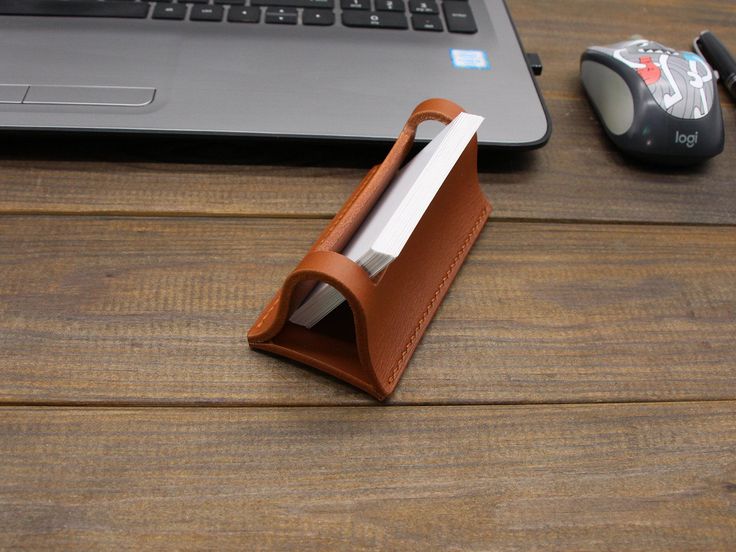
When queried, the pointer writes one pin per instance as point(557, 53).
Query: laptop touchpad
point(122, 96)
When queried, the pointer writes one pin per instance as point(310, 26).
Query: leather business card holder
point(369, 340)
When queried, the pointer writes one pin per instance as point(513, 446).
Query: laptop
point(345, 70)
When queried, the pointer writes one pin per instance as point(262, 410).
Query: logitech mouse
point(654, 102)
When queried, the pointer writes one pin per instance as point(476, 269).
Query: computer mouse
point(655, 103)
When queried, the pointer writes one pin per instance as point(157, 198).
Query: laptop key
point(421, 22)
point(282, 16)
point(170, 11)
point(355, 4)
point(390, 5)
point(459, 17)
point(326, 4)
point(206, 13)
point(318, 17)
point(74, 8)
point(380, 20)
point(423, 6)
point(244, 15)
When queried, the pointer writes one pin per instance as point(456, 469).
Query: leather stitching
point(263, 317)
point(474, 230)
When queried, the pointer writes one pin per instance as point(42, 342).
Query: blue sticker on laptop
point(469, 59)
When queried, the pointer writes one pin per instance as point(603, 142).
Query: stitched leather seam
point(474, 230)
point(265, 314)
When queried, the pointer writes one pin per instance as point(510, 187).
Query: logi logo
point(688, 139)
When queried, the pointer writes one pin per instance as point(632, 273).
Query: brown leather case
point(368, 341)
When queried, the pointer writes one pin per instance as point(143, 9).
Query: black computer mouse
point(655, 103)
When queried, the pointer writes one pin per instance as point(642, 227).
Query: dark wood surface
point(133, 415)
point(654, 477)
point(149, 310)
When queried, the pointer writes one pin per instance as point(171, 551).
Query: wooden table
point(576, 391)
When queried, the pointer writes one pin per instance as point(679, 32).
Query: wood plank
point(606, 477)
point(577, 176)
point(120, 310)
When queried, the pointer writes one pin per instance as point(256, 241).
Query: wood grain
point(151, 308)
point(577, 176)
point(116, 310)
point(609, 477)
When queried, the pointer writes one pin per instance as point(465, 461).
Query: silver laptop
point(304, 69)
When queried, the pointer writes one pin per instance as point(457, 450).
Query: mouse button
point(680, 83)
point(121, 96)
point(12, 93)
point(610, 94)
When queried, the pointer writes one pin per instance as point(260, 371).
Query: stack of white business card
point(388, 226)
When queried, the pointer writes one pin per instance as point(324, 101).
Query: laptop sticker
point(469, 59)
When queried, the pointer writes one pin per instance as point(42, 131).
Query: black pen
point(716, 54)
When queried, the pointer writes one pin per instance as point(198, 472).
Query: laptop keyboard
point(454, 16)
